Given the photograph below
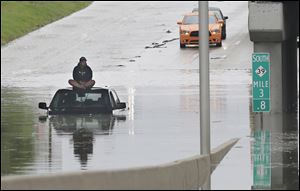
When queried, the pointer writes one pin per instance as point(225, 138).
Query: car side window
point(219, 15)
point(115, 96)
point(222, 16)
point(113, 99)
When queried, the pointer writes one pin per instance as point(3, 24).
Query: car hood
point(213, 27)
point(189, 27)
point(196, 27)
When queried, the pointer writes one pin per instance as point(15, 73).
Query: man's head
point(82, 62)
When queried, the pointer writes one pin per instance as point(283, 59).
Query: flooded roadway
point(160, 86)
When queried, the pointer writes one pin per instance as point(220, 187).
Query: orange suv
point(189, 30)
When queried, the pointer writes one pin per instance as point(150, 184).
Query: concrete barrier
point(189, 173)
point(218, 153)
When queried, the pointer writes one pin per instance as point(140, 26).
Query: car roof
point(211, 13)
point(210, 9)
point(196, 13)
point(191, 13)
point(92, 89)
point(214, 9)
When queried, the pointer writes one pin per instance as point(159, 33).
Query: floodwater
point(137, 53)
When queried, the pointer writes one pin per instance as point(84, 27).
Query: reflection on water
point(16, 132)
point(261, 159)
point(83, 145)
point(83, 128)
point(274, 152)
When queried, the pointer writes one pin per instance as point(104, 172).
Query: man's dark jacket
point(82, 74)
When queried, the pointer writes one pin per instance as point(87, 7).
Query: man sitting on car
point(82, 76)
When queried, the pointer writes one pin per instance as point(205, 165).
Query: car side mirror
point(121, 105)
point(179, 22)
point(226, 17)
point(43, 105)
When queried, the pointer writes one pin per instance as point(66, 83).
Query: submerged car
point(189, 30)
point(93, 101)
point(222, 19)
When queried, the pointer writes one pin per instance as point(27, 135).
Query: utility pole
point(204, 78)
point(204, 84)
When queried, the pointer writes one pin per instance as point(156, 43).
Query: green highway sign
point(261, 82)
point(261, 153)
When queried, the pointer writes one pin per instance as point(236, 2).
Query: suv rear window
point(70, 99)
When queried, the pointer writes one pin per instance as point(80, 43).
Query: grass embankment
point(21, 17)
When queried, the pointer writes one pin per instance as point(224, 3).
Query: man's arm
point(75, 74)
point(90, 73)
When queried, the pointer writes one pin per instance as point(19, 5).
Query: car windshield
point(212, 19)
point(190, 19)
point(70, 99)
point(218, 14)
point(193, 19)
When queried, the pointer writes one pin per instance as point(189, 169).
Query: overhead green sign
point(261, 82)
